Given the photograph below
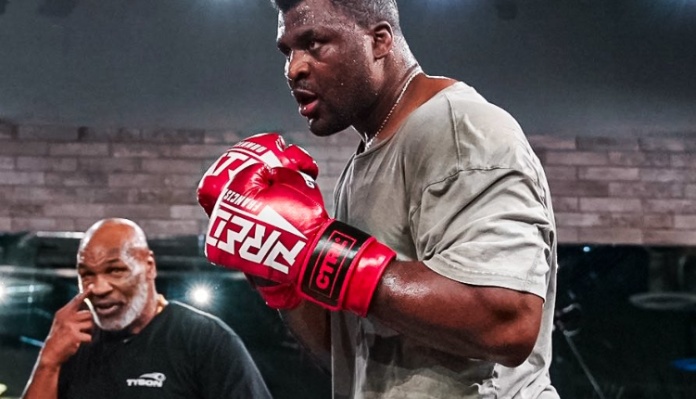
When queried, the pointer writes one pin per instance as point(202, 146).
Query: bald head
point(116, 265)
point(123, 234)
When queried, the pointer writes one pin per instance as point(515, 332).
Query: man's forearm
point(310, 325)
point(43, 383)
point(479, 322)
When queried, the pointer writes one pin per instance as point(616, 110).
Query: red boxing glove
point(276, 295)
point(271, 223)
point(267, 148)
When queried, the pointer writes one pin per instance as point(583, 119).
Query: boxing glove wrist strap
point(344, 268)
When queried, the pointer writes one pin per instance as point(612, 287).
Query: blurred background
point(117, 108)
point(560, 66)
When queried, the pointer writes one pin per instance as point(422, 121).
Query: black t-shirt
point(181, 353)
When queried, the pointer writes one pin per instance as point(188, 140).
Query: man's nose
point(101, 285)
point(297, 66)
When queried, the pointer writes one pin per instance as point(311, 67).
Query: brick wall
point(633, 190)
point(629, 190)
point(55, 178)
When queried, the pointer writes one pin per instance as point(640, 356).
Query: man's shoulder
point(466, 132)
point(188, 314)
point(459, 113)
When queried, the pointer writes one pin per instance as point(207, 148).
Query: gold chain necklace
point(391, 111)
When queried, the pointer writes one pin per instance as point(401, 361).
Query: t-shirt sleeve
point(486, 227)
point(227, 370)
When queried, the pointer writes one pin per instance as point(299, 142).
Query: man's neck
point(153, 308)
point(422, 89)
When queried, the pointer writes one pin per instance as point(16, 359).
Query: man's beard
point(134, 310)
point(340, 116)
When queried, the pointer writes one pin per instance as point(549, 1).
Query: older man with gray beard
point(128, 341)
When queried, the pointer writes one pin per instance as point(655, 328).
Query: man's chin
point(321, 129)
point(111, 324)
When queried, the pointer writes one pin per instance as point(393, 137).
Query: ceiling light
point(200, 295)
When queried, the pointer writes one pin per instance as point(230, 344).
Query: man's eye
point(117, 271)
point(313, 45)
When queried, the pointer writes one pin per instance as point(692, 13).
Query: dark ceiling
point(560, 66)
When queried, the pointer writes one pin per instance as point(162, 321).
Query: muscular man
point(132, 343)
point(437, 277)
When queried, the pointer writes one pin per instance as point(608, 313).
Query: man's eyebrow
point(301, 37)
point(306, 34)
point(81, 265)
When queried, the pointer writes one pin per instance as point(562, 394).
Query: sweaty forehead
point(311, 14)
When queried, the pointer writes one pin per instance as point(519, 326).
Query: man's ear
point(383, 36)
point(151, 266)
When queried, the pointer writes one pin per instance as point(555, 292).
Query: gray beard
point(134, 310)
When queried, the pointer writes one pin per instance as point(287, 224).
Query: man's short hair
point(364, 12)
